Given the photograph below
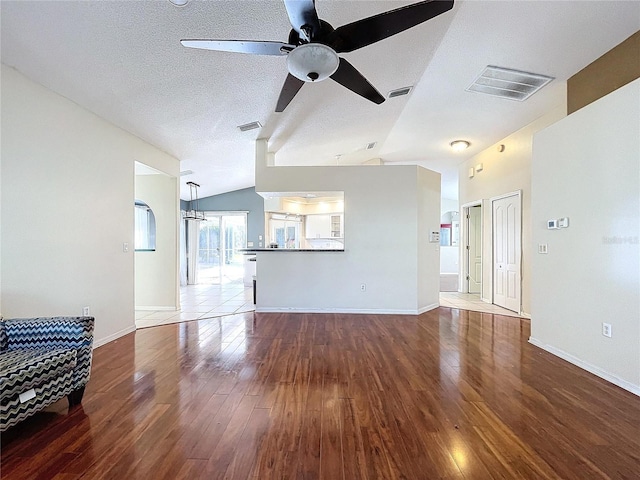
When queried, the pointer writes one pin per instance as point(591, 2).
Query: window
point(145, 234)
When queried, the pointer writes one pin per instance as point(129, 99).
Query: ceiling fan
point(313, 46)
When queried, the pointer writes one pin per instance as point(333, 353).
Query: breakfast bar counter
point(249, 251)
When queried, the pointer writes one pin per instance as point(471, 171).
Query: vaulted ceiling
point(123, 61)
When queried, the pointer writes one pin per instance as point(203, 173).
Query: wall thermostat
point(563, 222)
point(552, 224)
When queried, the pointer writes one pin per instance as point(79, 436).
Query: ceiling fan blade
point(349, 77)
point(291, 86)
point(361, 33)
point(301, 13)
point(241, 46)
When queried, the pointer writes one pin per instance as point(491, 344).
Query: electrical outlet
point(363, 287)
point(543, 248)
point(606, 329)
point(86, 311)
point(125, 247)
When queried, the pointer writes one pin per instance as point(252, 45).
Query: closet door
point(507, 225)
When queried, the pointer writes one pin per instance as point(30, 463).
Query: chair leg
point(75, 397)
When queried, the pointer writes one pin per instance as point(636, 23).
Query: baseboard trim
point(114, 336)
point(336, 310)
point(145, 308)
point(598, 372)
point(428, 308)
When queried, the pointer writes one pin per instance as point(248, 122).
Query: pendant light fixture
point(194, 214)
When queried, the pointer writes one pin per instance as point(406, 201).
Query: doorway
point(471, 253)
point(506, 230)
point(474, 249)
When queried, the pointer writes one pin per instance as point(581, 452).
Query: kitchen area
point(299, 221)
point(305, 221)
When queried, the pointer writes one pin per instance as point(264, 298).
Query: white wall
point(502, 173)
point(156, 273)
point(587, 167)
point(449, 255)
point(67, 208)
point(387, 213)
point(428, 253)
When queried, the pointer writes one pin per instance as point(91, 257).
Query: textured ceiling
point(123, 61)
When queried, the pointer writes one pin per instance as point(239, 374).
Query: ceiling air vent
point(249, 126)
point(399, 92)
point(371, 145)
point(507, 83)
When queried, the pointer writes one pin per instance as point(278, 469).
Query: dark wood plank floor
point(446, 395)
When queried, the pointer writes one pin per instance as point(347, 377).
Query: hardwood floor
point(449, 394)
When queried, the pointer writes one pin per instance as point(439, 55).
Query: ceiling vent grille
point(371, 145)
point(507, 83)
point(399, 92)
point(249, 126)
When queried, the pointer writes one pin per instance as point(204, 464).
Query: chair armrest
point(55, 333)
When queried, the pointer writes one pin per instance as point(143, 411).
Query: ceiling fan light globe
point(312, 62)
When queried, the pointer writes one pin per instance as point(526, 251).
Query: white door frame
point(463, 284)
point(517, 193)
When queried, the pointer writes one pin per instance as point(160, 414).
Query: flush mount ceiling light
point(312, 62)
point(459, 145)
point(179, 3)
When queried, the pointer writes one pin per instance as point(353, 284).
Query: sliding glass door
point(220, 237)
point(209, 250)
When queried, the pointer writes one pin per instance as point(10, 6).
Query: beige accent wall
point(618, 67)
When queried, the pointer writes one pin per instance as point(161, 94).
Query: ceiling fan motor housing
point(311, 62)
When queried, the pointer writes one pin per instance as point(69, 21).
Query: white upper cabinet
point(324, 226)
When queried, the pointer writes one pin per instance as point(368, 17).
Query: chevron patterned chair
point(41, 361)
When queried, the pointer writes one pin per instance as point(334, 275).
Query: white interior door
point(474, 249)
point(506, 252)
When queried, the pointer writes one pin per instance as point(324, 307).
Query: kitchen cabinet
point(324, 226)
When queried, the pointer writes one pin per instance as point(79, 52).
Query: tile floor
point(202, 301)
point(210, 301)
point(470, 301)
